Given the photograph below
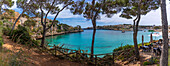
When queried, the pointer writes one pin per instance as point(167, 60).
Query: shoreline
point(58, 33)
point(108, 29)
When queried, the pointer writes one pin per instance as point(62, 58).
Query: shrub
point(151, 61)
point(123, 48)
point(1, 23)
point(147, 63)
point(1, 41)
point(35, 43)
point(22, 35)
point(6, 31)
point(144, 44)
point(58, 30)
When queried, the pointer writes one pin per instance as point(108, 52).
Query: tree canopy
point(131, 9)
point(6, 3)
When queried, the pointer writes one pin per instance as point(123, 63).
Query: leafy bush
point(58, 30)
point(22, 35)
point(147, 63)
point(123, 48)
point(151, 61)
point(1, 23)
point(144, 44)
point(35, 43)
point(1, 41)
point(6, 31)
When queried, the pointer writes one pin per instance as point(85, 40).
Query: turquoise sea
point(105, 41)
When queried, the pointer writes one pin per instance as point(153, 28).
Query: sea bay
point(105, 41)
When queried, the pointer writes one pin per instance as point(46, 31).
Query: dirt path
point(144, 56)
point(36, 58)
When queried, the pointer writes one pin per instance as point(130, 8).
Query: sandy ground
point(36, 58)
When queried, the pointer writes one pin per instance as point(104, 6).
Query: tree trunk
point(16, 22)
point(135, 31)
point(93, 39)
point(142, 40)
point(164, 55)
point(43, 37)
point(136, 45)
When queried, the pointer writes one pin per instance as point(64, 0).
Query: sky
point(152, 18)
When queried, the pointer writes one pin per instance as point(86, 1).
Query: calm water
point(105, 42)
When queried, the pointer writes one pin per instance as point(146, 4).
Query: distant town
point(127, 27)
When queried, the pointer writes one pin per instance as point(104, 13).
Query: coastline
point(108, 29)
point(57, 33)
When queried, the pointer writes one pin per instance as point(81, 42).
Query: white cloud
point(152, 18)
point(15, 5)
point(114, 18)
point(66, 14)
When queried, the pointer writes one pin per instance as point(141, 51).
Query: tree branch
point(94, 17)
point(91, 15)
point(42, 16)
point(139, 15)
point(48, 12)
point(56, 16)
point(134, 23)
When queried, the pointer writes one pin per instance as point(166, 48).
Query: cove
point(105, 41)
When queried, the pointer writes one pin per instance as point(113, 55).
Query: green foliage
point(151, 31)
point(75, 28)
point(25, 15)
point(58, 30)
point(10, 13)
point(131, 8)
point(147, 63)
point(157, 27)
point(1, 39)
point(151, 61)
point(123, 48)
point(169, 57)
point(30, 23)
point(1, 23)
point(8, 3)
point(6, 31)
point(65, 27)
point(144, 44)
point(34, 43)
point(21, 35)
